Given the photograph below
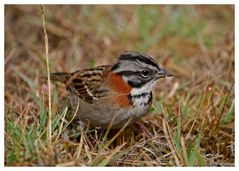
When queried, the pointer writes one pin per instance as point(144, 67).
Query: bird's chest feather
point(120, 91)
point(141, 102)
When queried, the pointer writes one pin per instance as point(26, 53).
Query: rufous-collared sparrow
point(121, 91)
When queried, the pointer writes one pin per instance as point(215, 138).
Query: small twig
point(79, 148)
point(107, 131)
point(118, 133)
point(61, 126)
point(171, 144)
point(48, 73)
point(198, 111)
point(73, 117)
point(184, 151)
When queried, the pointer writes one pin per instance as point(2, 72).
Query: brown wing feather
point(88, 84)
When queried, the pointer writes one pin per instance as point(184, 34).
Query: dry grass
point(191, 122)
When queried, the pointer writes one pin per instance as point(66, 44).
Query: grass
point(191, 121)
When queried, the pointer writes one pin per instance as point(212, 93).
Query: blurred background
point(89, 35)
point(194, 42)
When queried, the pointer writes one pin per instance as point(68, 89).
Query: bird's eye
point(145, 72)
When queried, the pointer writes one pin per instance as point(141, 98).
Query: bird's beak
point(163, 73)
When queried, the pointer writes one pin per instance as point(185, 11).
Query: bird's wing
point(88, 84)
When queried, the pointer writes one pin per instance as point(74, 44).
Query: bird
point(113, 94)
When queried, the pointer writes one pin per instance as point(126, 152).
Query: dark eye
point(145, 72)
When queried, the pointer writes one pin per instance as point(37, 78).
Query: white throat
point(147, 88)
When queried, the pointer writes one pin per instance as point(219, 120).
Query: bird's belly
point(99, 116)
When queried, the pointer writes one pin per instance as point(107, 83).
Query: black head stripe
point(132, 56)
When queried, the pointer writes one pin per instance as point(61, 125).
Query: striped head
point(140, 71)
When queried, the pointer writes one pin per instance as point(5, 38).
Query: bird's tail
point(60, 76)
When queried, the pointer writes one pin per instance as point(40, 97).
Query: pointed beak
point(163, 73)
